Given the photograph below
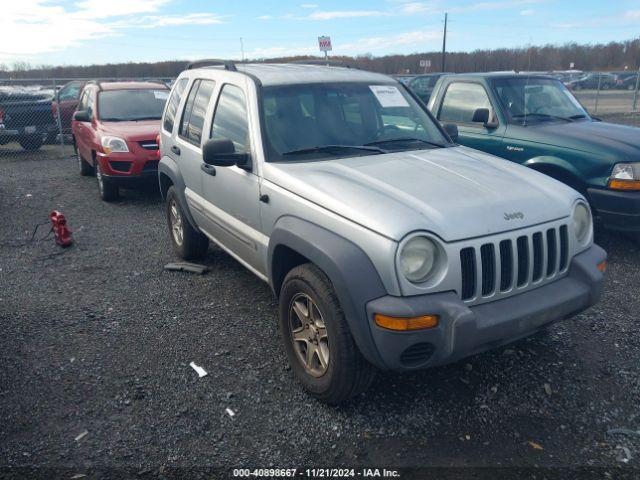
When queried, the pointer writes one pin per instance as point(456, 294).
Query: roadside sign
point(324, 43)
point(425, 63)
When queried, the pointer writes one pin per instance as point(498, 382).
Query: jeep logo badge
point(514, 216)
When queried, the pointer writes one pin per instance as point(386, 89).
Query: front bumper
point(617, 210)
point(464, 331)
point(129, 168)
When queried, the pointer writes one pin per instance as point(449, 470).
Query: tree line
point(612, 56)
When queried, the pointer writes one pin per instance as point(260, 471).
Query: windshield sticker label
point(389, 96)
point(161, 94)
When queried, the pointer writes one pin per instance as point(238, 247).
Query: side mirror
point(82, 116)
point(483, 116)
point(222, 153)
point(452, 131)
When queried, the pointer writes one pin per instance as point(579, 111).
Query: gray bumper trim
point(464, 331)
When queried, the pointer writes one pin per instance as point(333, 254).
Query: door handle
point(175, 149)
point(208, 169)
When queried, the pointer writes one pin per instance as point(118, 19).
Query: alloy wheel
point(309, 335)
point(99, 178)
point(176, 223)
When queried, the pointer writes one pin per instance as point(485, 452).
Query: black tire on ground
point(86, 170)
point(347, 372)
point(30, 142)
point(107, 190)
point(187, 242)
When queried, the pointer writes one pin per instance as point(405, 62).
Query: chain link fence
point(36, 115)
point(604, 94)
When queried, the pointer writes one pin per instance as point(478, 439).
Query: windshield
point(123, 105)
point(528, 100)
point(312, 121)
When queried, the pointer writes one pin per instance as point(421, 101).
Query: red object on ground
point(60, 229)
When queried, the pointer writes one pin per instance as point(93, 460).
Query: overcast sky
point(71, 32)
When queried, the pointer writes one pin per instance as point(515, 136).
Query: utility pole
point(444, 43)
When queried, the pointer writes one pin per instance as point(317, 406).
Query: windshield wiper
point(114, 119)
point(542, 115)
point(334, 149)
point(576, 117)
point(144, 118)
point(405, 139)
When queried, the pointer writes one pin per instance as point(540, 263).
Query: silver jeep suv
point(387, 245)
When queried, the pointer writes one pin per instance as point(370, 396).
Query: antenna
point(242, 49)
point(524, 93)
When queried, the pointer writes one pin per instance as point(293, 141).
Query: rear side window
point(461, 101)
point(195, 109)
point(172, 104)
point(230, 120)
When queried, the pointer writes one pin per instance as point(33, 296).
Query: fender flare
point(550, 165)
point(353, 276)
point(168, 167)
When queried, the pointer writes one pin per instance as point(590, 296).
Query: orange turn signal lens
point(404, 324)
point(615, 184)
point(602, 266)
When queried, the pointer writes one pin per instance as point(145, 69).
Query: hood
point(456, 193)
point(133, 131)
point(609, 140)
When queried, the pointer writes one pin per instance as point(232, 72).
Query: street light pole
point(444, 43)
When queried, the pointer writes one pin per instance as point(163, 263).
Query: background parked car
point(626, 81)
point(67, 101)
point(25, 116)
point(422, 85)
point(592, 81)
point(535, 121)
point(115, 133)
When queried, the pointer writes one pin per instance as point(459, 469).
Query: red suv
point(115, 133)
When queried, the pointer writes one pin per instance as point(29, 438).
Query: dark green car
point(537, 122)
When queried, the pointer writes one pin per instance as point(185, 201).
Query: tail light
point(1, 116)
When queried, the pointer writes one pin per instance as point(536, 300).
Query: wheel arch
point(169, 175)
point(560, 170)
point(354, 278)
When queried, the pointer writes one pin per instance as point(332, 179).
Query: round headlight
point(418, 259)
point(581, 222)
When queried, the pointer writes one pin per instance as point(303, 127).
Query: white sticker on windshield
point(389, 96)
point(161, 94)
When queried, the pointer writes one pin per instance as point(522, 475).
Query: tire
point(31, 143)
point(337, 370)
point(85, 169)
point(187, 242)
point(107, 190)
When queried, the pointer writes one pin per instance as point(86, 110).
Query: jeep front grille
point(495, 268)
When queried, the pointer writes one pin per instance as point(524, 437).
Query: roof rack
point(228, 64)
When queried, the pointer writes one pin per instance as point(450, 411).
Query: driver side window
point(230, 118)
point(460, 102)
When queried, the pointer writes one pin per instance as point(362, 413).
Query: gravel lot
point(99, 338)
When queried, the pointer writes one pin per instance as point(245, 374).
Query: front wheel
point(187, 242)
point(84, 167)
point(317, 340)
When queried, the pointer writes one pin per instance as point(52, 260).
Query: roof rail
point(228, 64)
